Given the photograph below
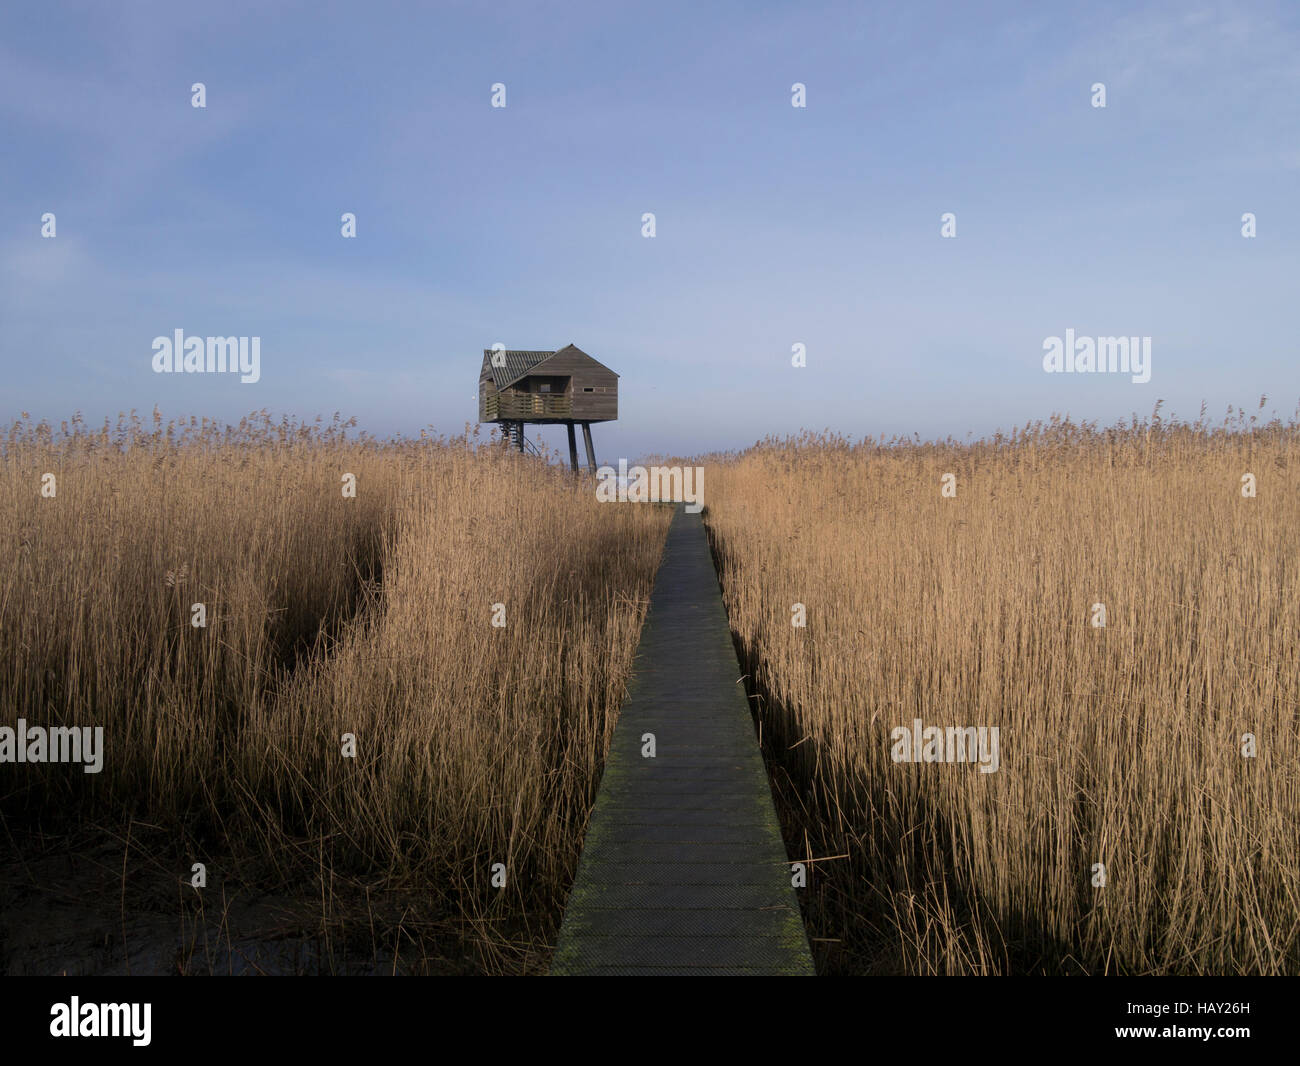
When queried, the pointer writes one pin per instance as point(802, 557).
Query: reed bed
point(326, 614)
point(1120, 745)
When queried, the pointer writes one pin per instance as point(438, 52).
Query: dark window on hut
point(588, 389)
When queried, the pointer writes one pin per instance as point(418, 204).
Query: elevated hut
point(566, 386)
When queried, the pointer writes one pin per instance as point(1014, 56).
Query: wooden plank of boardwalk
point(683, 870)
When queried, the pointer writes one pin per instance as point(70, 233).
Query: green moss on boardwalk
point(683, 870)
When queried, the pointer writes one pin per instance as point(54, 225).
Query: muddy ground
point(97, 905)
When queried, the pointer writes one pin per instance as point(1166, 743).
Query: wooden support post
point(573, 447)
point(591, 452)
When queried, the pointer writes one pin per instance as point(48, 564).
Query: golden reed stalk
point(1120, 745)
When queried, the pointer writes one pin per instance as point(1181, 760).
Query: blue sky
point(775, 225)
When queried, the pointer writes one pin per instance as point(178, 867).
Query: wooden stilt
point(591, 451)
point(573, 447)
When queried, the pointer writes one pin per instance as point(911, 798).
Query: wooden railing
point(527, 405)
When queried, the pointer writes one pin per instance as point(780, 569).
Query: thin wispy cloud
point(776, 225)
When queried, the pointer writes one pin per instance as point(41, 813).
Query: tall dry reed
point(325, 614)
point(1120, 746)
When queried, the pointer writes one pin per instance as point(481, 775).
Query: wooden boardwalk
point(683, 870)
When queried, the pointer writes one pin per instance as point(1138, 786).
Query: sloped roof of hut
point(519, 364)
